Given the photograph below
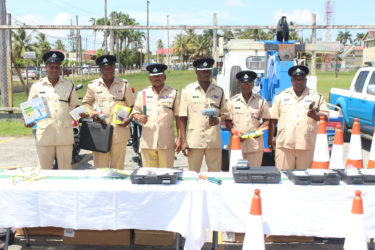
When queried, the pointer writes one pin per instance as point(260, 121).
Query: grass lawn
point(175, 79)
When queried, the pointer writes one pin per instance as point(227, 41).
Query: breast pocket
point(255, 114)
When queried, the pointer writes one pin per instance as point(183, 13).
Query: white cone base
point(356, 238)
point(355, 148)
point(321, 151)
point(337, 157)
point(235, 155)
point(254, 237)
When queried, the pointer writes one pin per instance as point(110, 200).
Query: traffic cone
point(371, 159)
point(337, 155)
point(356, 238)
point(321, 151)
point(355, 159)
point(235, 152)
point(254, 237)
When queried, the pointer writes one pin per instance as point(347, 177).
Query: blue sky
point(193, 12)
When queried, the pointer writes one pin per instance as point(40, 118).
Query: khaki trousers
point(212, 156)
point(293, 159)
point(113, 159)
point(254, 158)
point(158, 158)
point(63, 153)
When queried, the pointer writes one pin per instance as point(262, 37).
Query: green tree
point(93, 21)
point(21, 42)
point(359, 38)
point(41, 46)
point(344, 37)
point(59, 45)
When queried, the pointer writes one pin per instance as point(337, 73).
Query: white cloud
point(62, 19)
point(298, 16)
point(234, 3)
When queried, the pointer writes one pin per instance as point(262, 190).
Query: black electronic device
point(266, 175)
point(96, 136)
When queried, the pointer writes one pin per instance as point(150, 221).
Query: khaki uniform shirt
point(247, 117)
point(295, 129)
point(193, 101)
point(57, 129)
point(158, 132)
point(99, 95)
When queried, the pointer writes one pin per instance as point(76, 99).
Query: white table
point(288, 209)
point(69, 200)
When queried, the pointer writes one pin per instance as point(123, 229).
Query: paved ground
point(20, 152)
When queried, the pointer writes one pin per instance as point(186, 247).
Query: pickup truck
point(357, 102)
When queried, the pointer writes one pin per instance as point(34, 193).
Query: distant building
point(369, 48)
point(162, 56)
point(353, 59)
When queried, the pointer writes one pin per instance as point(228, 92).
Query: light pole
point(148, 36)
point(168, 58)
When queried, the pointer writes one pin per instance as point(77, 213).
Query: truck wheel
point(234, 89)
point(346, 134)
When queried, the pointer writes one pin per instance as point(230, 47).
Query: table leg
point(215, 240)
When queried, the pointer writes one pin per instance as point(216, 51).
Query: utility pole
point(313, 41)
point(105, 23)
point(168, 58)
point(148, 36)
point(214, 39)
point(181, 52)
point(77, 43)
point(3, 57)
point(10, 77)
point(112, 36)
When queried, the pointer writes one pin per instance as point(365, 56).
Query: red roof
point(164, 51)
point(370, 33)
point(355, 48)
point(92, 52)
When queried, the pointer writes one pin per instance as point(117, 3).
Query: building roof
point(355, 48)
point(370, 35)
point(92, 52)
point(164, 51)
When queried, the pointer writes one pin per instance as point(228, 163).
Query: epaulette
point(234, 97)
point(189, 85)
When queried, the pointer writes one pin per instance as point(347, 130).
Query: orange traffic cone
point(235, 152)
point(337, 155)
point(356, 238)
point(355, 159)
point(254, 237)
point(321, 151)
point(371, 159)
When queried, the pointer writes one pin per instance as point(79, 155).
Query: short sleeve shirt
point(295, 129)
point(60, 99)
point(246, 117)
point(158, 132)
point(193, 101)
point(99, 95)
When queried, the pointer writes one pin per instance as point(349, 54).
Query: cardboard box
point(96, 237)
point(47, 231)
point(154, 238)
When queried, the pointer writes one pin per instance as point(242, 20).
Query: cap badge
point(245, 76)
point(155, 70)
point(54, 55)
point(105, 60)
point(298, 70)
point(205, 64)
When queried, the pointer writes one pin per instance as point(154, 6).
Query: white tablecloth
point(97, 204)
point(288, 209)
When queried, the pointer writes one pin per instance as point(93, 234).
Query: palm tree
point(227, 35)
point(41, 46)
point(359, 38)
point(21, 43)
point(293, 33)
point(160, 45)
point(344, 37)
point(59, 45)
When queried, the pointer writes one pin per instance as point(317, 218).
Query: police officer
point(248, 112)
point(161, 103)
point(297, 122)
point(54, 135)
point(105, 93)
point(203, 136)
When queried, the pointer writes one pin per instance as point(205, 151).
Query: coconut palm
point(344, 37)
point(59, 45)
point(93, 21)
point(21, 43)
point(359, 38)
point(41, 46)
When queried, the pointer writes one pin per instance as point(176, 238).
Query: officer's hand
point(272, 144)
point(29, 125)
point(96, 118)
point(313, 114)
point(178, 146)
point(213, 121)
point(185, 148)
point(125, 122)
point(142, 119)
point(84, 115)
point(242, 139)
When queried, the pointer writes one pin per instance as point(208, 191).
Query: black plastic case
point(308, 177)
point(357, 176)
point(267, 175)
point(154, 179)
